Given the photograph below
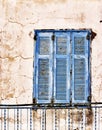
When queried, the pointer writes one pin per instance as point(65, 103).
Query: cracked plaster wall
point(18, 19)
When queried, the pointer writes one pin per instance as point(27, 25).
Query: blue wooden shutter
point(61, 67)
point(80, 67)
point(43, 68)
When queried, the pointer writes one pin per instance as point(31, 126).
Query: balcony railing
point(29, 117)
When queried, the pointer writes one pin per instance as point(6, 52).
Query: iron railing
point(29, 117)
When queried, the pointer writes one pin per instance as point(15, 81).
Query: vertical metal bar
point(4, 119)
point(7, 119)
point(43, 121)
point(95, 118)
point(56, 119)
point(20, 119)
point(82, 121)
point(68, 119)
point(17, 119)
point(72, 119)
point(30, 118)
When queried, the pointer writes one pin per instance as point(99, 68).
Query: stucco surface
point(19, 18)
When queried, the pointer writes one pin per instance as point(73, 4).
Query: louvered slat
point(61, 47)
point(44, 46)
point(61, 68)
point(79, 79)
point(61, 78)
point(43, 73)
point(43, 79)
point(79, 67)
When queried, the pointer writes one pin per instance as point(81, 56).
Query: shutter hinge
point(35, 37)
point(53, 37)
point(52, 101)
point(34, 101)
point(89, 98)
point(88, 37)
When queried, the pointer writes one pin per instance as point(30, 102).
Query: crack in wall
point(19, 56)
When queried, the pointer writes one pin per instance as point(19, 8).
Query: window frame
point(52, 34)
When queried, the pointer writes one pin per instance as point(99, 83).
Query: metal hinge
point(35, 37)
point(34, 100)
point(53, 37)
point(89, 98)
point(88, 37)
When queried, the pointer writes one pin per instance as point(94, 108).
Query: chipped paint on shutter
point(61, 46)
point(79, 79)
point(43, 66)
point(61, 67)
point(43, 79)
point(80, 67)
point(61, 78)
point(44, 46)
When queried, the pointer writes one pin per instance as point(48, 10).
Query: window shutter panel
point(61, 67)
point(80, 67)
point(43, 68)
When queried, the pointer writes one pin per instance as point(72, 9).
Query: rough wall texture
point(18, 19)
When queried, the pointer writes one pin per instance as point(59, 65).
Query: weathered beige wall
point(18, 19)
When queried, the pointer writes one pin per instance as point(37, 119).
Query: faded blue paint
point(67, 54)
point(37, 78)
point(57, 94)
point(83, 56)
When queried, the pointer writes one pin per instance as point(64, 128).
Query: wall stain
point(89, 116)
point(77, 116)
point(82, 17)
